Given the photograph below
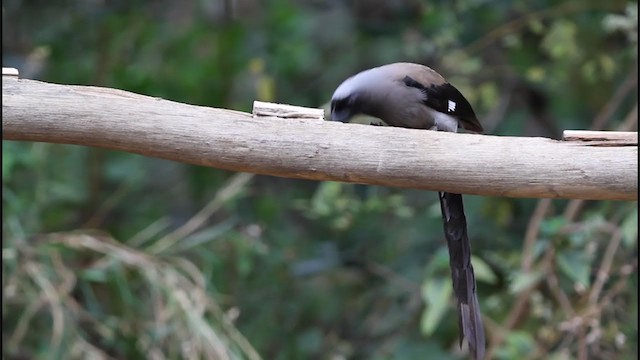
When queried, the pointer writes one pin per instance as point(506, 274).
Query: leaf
point(560, 41)
point(521, 281)
point(629, 229)
point(325, 196)
point(439, 263)
point(552, 226)
point(436, 293)
point(8, 162)
point(536, 26)
point(517, 345)
point(536, 74)
point(608, 66)
point(483, 271)
point(96, 275)
point(576, 265)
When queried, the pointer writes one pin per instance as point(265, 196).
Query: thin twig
point(53, 300)
point(625, 271)
point(107, 206)
point(605, 265)
point(558, 293)
point(531, 235)
point(604, 116)
point(231, 189)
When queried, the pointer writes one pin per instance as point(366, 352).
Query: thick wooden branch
point(314, 149)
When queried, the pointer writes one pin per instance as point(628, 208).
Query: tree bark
point(318, 150)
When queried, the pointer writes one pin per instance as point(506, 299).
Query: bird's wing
point(445, 98)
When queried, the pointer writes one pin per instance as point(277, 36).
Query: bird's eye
point(334, 105)
point(339, 105)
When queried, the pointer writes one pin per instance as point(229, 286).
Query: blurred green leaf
point(489, 95)
point(483, 271)
point(576, 265)
point(552, 225)
point(324, 201)
point(536, 74)
point(92, 274)
point(520, 281)
point(629, 229)
point(436, 294)
point(560, 41)
point(536, 26)
point(518, 345)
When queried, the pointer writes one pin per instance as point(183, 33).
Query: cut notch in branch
point(266, 109)
point(602, 138)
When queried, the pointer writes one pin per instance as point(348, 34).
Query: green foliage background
point(113, 255)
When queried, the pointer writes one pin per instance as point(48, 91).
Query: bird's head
point(343, 109)
point(364, 93)
point(347, 101)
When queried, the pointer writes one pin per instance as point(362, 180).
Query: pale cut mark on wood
point(602, 138)
point(8, 71)
point(266, 109)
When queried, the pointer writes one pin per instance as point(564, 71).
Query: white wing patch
point(451, 106)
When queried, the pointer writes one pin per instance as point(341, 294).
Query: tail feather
point(464, 283)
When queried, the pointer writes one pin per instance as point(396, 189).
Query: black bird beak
point(339, 117)
point(342, 116)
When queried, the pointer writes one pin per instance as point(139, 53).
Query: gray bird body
point(415, 96)
point(404, 95)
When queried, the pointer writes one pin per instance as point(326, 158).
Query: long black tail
point(464, 282)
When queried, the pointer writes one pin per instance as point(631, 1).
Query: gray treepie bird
point(415, 96)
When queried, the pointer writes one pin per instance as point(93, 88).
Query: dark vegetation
point(113, 255)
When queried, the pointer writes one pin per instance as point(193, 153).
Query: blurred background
point(110, 255)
